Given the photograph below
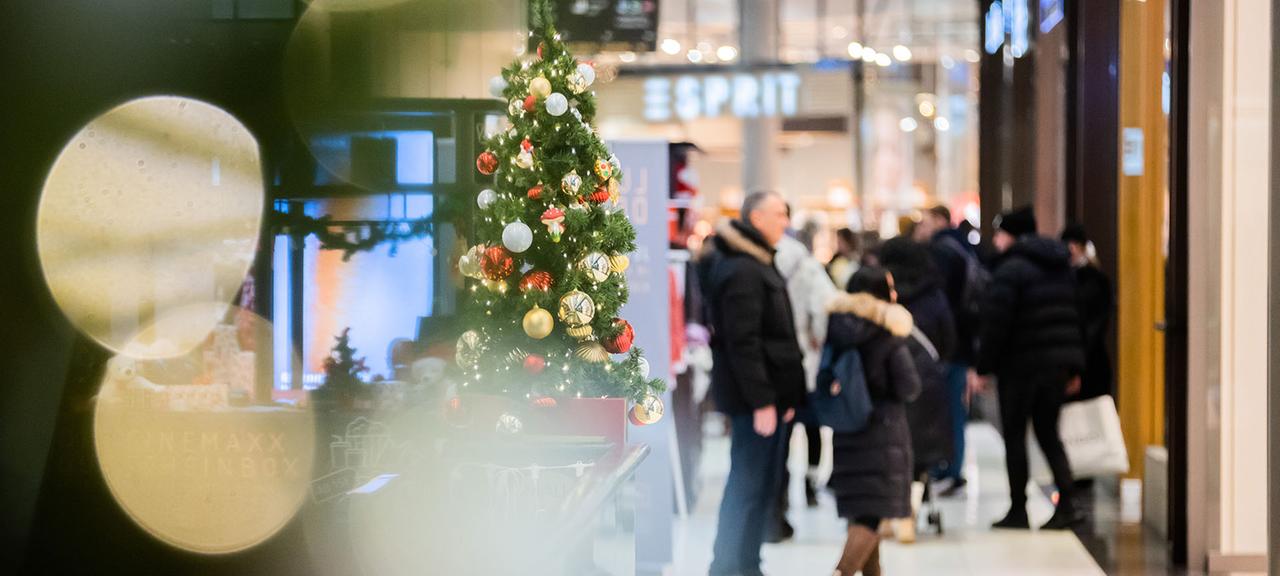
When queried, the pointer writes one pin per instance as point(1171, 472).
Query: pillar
point(758, 40)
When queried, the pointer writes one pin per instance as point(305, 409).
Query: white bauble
point(588, 73)
point(486, 198)
point(517, 237)
point(643, 365)
point(557, 104)
point(497, 85)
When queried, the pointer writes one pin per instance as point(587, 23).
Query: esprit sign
point(707, 96)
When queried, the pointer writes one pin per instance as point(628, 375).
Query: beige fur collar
point(892, 317)
point(739, 242)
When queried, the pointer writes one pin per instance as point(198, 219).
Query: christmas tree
point(551, 243)
point(342, 372)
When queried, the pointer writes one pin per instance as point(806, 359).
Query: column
point(758, 39)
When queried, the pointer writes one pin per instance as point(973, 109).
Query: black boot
point(1065, 517)
point(810, 493)
point(779, 531)
point(1016, 519)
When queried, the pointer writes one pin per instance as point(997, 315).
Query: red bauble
point(487, 163)
point(496, 263)
point(530, 102)
point(600, 196)
point(621, 343)
point(536, 279)
point(535, 192)
point(534, 364)
point(526, 145)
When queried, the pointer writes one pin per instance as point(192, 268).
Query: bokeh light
point(152, 206)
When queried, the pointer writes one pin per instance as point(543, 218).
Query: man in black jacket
point(1030, 339)
point(758, 376)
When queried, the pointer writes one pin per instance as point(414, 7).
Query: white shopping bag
point(1090, 431)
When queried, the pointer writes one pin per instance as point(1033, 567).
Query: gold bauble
point(577, 308)
point(615, 190)
point(540, 87)
point(597, 266)
point(579, 332)
point(619, 263)
point(538, 323)
point(648, 410)
point(592, 352)
point(496, 286)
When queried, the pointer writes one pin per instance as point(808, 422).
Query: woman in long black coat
point(872, 469)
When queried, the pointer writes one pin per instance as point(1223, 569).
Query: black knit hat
point(1019, 223)
point(1075, 233)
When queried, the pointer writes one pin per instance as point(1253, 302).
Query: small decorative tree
point(552, 243)
point(342, 370)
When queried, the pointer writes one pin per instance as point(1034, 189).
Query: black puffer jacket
point(757, 359)
point(1029, 319)
point(872, 469)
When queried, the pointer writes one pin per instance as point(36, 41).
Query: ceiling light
point(695, 56)
point(627, 57)
point(972, 56)
point(671, 46)
point(855, 50)
point(908, 124)
point(927, 109)
point(726, 52)
point(883, 60)
point(902, 53)
point(941, 124)
point(868, 54)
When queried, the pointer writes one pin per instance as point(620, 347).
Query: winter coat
point(1029, 318)
point(811, 291)
point(757, 357)
point(952, 259)
point(872, 469)
point(1095, 303)
point(920, 290)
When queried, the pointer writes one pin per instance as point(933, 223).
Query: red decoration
point(487, 163)
point(534, 364)
point(535, 192)
point(456, 412)
point(530, 102)
point(600, 196)
point(536, 279)
point(621, 343)
point(540, 46)
point(496, 263)
point(526, 145)
point(545, 402)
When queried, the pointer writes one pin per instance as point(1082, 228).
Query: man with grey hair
point(758, 376)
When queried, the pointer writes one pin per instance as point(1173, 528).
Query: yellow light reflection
point(153, 205)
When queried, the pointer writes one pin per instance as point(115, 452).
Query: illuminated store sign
point(1051, 13)
point(1011, 20)
point(708, 96)
point(994, 29)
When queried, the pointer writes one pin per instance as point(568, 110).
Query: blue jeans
point(957, 383)
point(750, 494)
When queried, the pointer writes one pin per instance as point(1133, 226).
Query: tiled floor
point(968, 547)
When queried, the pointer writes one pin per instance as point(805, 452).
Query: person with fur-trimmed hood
point(757, 379)
point(872, 469)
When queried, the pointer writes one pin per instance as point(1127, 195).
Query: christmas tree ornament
point(538, 323)
point(535, 364)
point(487, 163)
point(524, 159)
point(469, 267)
point(648, 410)
point(497, 85)
point(615, 190)
point(509, 424)
point(517, 355)
point(497, 263)
point(470, 349)
point(535, 192)
point(553, 218)
point(619, 263)
point(486, 198)
point(592, 352)
point(530, 103)
point(588, 72)
point(557, 104)
point(597, 266)
point(517, 237)
point(580, 332)
point(545, 402)
point(643, 366)
point(571, 182)
point(578, 83)
point(516, 108)
point(541, 46)
point(604, 170)
point(540, 87)
point(577, 308)
point(535, 280)
point(495, 286)
point(600, 196)
point(621, 343)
